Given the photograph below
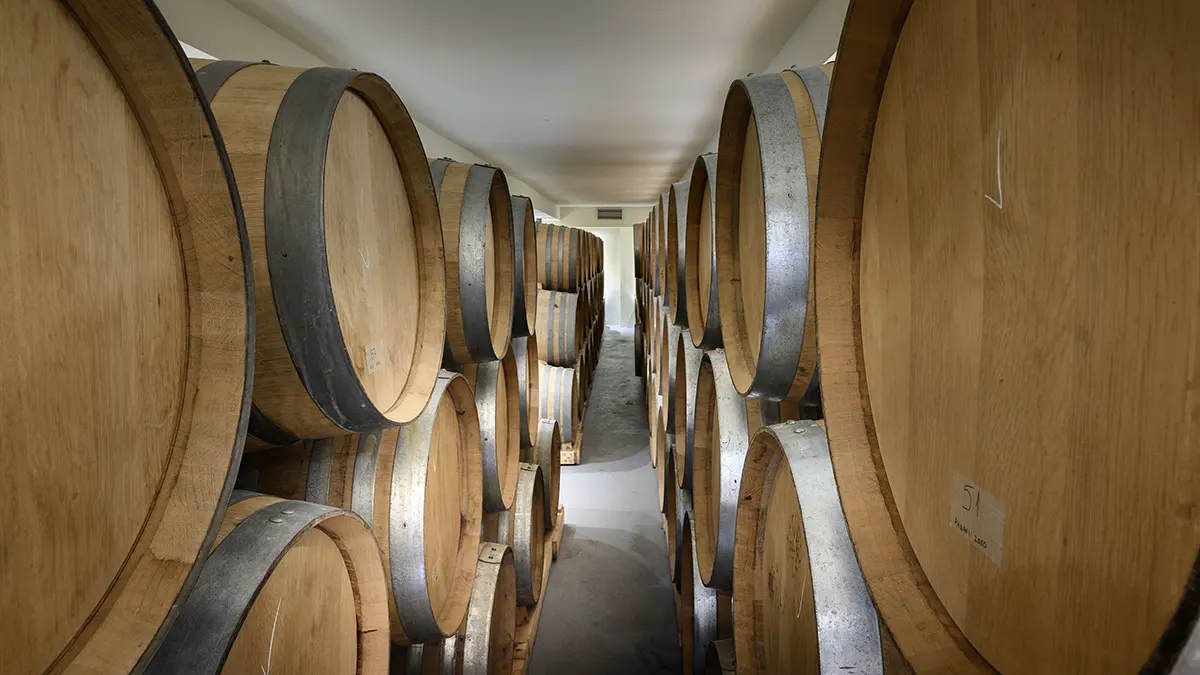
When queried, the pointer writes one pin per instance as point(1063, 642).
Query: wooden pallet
point(572, 453)
point(529, 617)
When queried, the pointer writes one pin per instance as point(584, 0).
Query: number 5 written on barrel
point(971, 499)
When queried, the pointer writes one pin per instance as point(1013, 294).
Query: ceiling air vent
point(609, 214)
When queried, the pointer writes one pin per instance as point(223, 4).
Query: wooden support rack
point(572, 453)
point(528, 618)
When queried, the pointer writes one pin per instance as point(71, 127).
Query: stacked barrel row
point(995, 468)
point(251, 257)
point(477, 449)
point(700, 423)
point(570, 324)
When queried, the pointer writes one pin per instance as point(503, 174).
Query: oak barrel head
point(676, 267)
point(498, 406)
point(282, 573)
point(1026, 293)
point(687, 370)
point(545, 453)
point(340, 212)
point(525, 282)
point(700, 255)
point(719, 450)
point(476, 218)
point(523, 529)
point(767, 169)
point(525, 351)
point(129, 335)
point(420, 488)
point(800, 601)
point(490, 628)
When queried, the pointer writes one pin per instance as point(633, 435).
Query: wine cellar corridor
point(610, 600)
point(623, 337)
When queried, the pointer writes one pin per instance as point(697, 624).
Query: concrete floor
point(610, 607)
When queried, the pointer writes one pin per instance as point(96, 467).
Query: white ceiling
point(591, 102)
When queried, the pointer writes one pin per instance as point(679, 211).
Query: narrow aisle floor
point(610, 607)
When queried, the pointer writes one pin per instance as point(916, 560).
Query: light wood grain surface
point(372, 250)
point(1020, 313)
point(95, 360)
point(125, 338)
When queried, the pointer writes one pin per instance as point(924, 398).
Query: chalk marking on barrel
point(803, 590)
point(999, 185)
point(271, 644)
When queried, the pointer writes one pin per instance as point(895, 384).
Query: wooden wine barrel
point(591, 309)
point(659, 245)
point(656, 434)
point(583, 310)
point(686, 371)
point(280, 573)
point(423, 659)
point(127, 333)
point(664, 250)
point(525, 285)
point(597, 255)
point(698, 607)
point(559, 392)
point(718, 450)
point(647, 236)
point(341, 213)
point(670, 511)
point(523, 528)
point(588, 296)
point(639, 349)
point(683, 505)
point(652, 319)
point(545, 453)
point(656, 246)
point(561, 327)
point(700, 255)
point(677, 200)
point(584, 256)
point(652, 250)
point(476, 213)
point(800, 602)
point(525, 352)
point(656, 339)
point(761, 413)
point(583, 371)
point(647, 233)
point(720, 659)
point(767, 168)
point(1041, 376)
point(558, 258)
point(449, 655)
point(587, 248)
point(664, 446)
point(667, 341)
point(491, 625)
point(588, 254)
point(648, 386)
point(419, 486)
point(498, 405)
point(647, 251)
point(600, 257)
point(586, 244)
point(639, 250)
